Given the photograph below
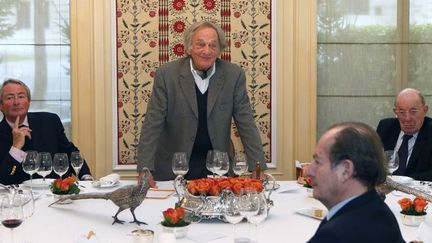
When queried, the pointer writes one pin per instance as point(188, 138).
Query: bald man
point(411, 124)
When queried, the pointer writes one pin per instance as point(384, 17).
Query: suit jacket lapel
point(215, 87)
point(187, 85)
point(6, 130)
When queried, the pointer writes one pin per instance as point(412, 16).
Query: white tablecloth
point(64, 223)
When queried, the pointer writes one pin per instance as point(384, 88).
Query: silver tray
point(209, 207)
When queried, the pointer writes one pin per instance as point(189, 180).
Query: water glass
point(231, 212)
point(392, 159)
point(240, 165)
point(60, 164)
point(31, 164)
point(77, 161)
point(45, 164)
point(211, 161)
point(222, 163)
point(260, 216)
point(180, 164)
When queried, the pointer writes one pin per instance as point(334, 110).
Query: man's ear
point(345, 170)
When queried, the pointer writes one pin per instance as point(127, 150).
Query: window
point(35, 48)
point(365, 59)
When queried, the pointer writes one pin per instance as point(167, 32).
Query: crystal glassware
point(45, 164)
point(240, 165)
point(11, 212)
point(392, 159)
point(31, 164)
point(77, 161)
point(60, 164)
point(180, 163)
point(222, 164)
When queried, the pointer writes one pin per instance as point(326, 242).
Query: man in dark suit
point(411, 122)
point(22, 131)
point(348, 164)
point(193, 102)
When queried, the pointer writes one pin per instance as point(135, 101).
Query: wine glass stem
point(31, 182)
point(12, 235)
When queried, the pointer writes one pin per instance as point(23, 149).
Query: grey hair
point(417, 92)
point(14, 81)
point(203, 24)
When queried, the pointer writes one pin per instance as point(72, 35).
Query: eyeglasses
point(412, 112)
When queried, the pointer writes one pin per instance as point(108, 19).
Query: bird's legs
point(117, 220)
point(135, 219)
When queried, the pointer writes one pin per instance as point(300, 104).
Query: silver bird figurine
point(389, 185)
point(129, 196)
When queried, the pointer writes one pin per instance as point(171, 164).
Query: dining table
point(285, 222)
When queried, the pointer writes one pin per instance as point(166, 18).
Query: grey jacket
point(171, 120)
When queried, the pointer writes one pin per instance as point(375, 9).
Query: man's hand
point(19, 134)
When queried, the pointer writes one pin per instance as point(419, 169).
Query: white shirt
point(411, 143)
point(17, 153)
point(201, 83)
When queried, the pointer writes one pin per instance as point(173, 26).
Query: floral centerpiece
point(413, 211)
point(307, 182)
point(175, 221)
point(416, 207)
point(65, 186)
point(214, 186)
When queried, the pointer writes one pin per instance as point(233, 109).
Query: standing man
point(193, 102)
point(410, 133)
point(22, 131)
point(348, 163)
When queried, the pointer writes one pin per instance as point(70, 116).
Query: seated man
point(22, 131)
point(410, 134)
point(348, 164)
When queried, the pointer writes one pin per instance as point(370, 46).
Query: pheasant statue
point(389, 185)
point(130, 196)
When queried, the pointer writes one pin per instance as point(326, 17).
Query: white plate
point(310, 212)
point(38, 183)
point(402, 179)
point(97, 184)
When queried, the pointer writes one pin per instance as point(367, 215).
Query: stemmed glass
point(392, 159)
point(231, 212)
point(211, 161)
point(30, 164)
point(240, 165)
point(260, 216)
point(45, 167)
point(222, 164)
point(77, 161)
point(180, 164)
point(60, 164)
point(249, 205)
point(11, 214)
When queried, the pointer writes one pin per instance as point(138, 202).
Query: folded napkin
point(109, 180)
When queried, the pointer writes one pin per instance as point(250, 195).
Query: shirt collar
point(211, 71)
point(25, 122)
point(338, 206)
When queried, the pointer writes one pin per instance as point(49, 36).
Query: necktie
point(403, 155)
point(202, 74)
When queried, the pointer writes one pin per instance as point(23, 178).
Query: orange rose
point(420, 204)
point(405, 203)
point(174, 216)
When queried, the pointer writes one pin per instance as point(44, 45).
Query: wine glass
point(260, 216)
point(211, 160)
point(45, 167)
point(60, 164)
point(231, 212)
point(222, 164)
point(11, 212)
point(392, 159)
point(27, 202)
point(240, 165)
point(249, 204)
point(77, 161)
point(180, 164)
point(30, 164)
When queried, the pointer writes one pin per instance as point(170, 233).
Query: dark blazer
point(47, 136)
point(365, 219)
point(420, 162)
point(171, 121)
